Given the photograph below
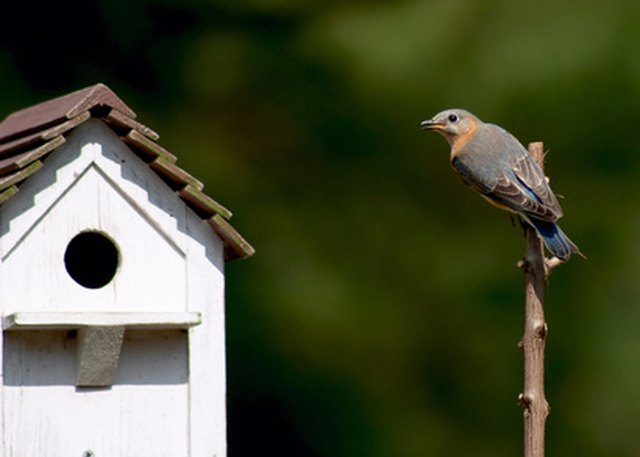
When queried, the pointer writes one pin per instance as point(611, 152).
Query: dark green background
point(381, 312)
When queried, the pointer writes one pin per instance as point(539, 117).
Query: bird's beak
point(430, 124)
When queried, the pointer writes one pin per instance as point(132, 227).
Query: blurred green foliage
point(381, 312)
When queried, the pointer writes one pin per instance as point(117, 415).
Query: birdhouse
point(111, 288)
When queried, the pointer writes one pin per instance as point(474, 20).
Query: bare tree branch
point(536, 269)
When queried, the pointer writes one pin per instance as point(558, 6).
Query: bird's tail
point(554, 238)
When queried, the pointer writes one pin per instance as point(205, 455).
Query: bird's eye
point(453, 118)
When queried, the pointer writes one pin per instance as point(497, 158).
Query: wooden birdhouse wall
point(96, 185)
point(168, 396)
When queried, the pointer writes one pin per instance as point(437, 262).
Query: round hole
point(91, 259)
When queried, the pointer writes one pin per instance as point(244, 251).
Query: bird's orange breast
point(461, 140)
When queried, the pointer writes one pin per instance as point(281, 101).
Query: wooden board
point(143, 413)
point(76, 320)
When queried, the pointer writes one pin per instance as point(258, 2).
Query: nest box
point(111, 287)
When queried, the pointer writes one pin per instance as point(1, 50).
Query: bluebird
point(494, 163)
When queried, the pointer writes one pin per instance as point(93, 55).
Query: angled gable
point(28, 136)
point(95, 183)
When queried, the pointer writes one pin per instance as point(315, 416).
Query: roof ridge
point(65, 107)
point(100, 94)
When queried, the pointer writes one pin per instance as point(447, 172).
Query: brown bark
point(532, 399)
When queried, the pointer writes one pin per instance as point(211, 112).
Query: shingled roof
point(29, 135)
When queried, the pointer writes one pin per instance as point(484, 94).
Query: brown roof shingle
point(28, 135)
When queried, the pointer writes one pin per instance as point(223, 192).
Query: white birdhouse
point(111, 288)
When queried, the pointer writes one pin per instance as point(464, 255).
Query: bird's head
point(453, 124)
